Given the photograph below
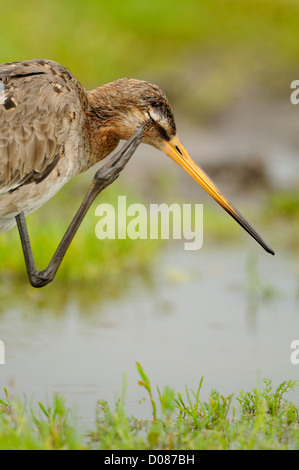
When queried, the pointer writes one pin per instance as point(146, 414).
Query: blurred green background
point(226, 312)
point(206, 52)
point(208, 56)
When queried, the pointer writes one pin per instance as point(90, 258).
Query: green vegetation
point(90, 261)
point(88, 258)
point(281, 212)
point(284, 204)
point(206, 52)
point(259, 419)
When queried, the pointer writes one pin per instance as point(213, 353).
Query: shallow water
point(202, 314)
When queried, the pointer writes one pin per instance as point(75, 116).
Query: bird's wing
point(37, 99)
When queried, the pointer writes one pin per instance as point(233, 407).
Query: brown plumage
point(48, 122)
point(51, 129)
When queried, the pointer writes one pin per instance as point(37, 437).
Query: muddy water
point(203, 314)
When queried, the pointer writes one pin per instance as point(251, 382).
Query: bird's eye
point(155, 117)
point(155, 113)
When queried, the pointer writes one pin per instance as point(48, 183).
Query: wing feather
point(37, 98)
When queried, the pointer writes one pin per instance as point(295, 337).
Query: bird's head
point(129, 103)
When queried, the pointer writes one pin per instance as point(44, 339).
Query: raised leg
point(103, 178)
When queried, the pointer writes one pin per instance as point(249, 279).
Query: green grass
point(259, 419)
point(206, 52)
point(88, 259)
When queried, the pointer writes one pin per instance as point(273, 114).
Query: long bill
point(175, 150)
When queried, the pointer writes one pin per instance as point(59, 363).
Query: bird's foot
point(41, 278)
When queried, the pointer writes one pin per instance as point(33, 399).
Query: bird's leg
point(103, 178)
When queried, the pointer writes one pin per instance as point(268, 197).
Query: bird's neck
point(109, 119)
point(103, 138)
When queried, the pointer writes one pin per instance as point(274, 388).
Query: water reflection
point(55, 298)
point(197, 314)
